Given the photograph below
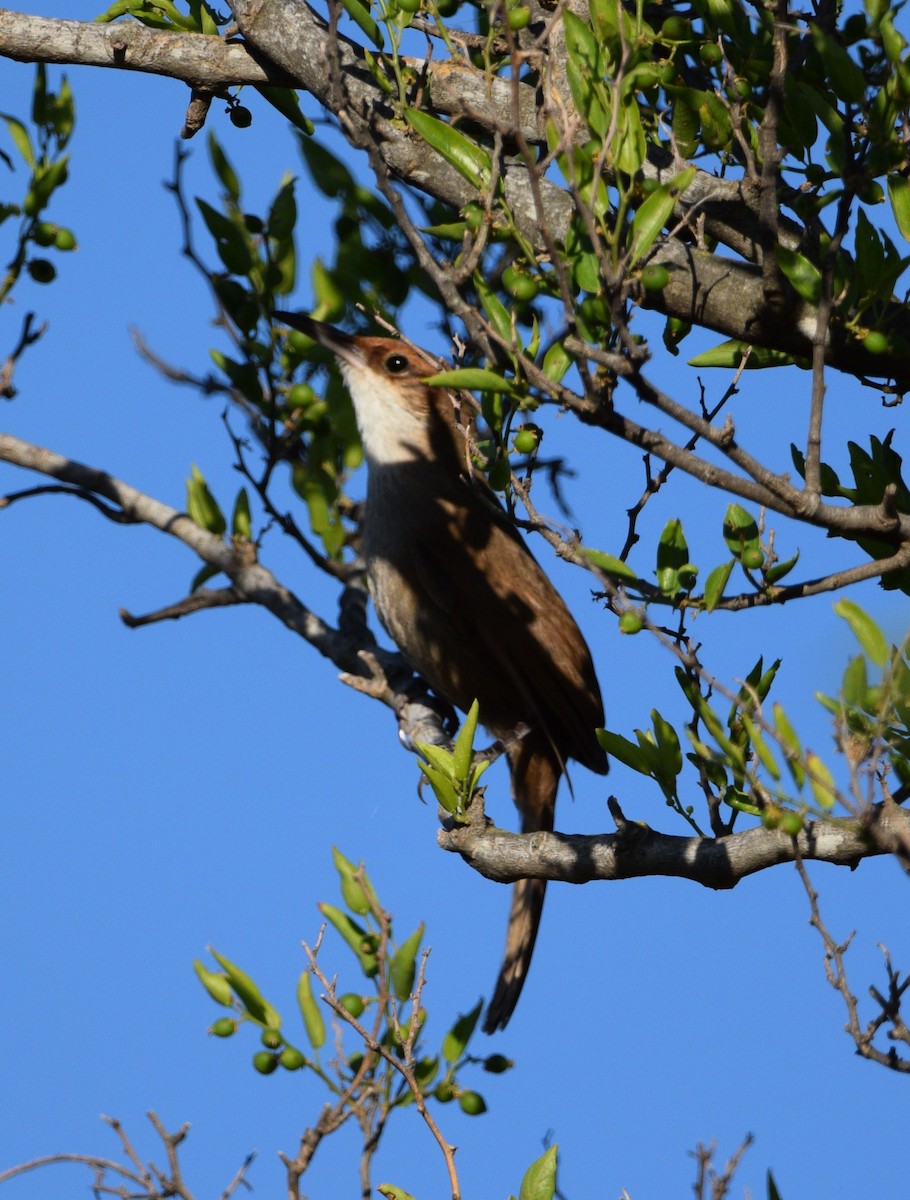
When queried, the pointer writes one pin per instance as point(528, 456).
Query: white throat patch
point(390, 432)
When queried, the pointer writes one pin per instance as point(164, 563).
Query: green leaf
point(865, 630)
point(899, 195)
point(404, 964)
point(761, 747)
point(668, 745)
point(202, 505)
point(241, 521)
point(855, 682)
point(655, 212)
point(672, 553)
point(609, 564)
point(360, 14)
point(468, 159)
point(352, 891)
point(223, 169)
point(287, 102)
point(230, 240)
point(791, 743)
point(804, 275)
point(820, 781)
point(740, 531)
point(845, 76)
point(463, 751)
point(21, 138)
point(494, 308)
point(539, 1182)
point(205, 573)
point(215, 984)
point(248, 993)
point(456, 1040)
point(779, 570)
point(283, 213)
point(731, 353)
point(716, 583)
point(310, 1011)
point(624, 751)
point(474, 379)
point(354, 935)
point(556, 362)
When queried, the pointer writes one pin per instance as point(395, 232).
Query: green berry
point(631, 622)
point(472, 1104)
point(42, 271)
point(241, 117)
point(519, 18)
point(710, 54)
point(875, 342)
point(519, 284)
point(655, 277)
point(291, 1058)
point(264, 1062)
point(44, 234)
point(526, 440)
point(352, 1003)
point(224, 1027)
point(65, 239)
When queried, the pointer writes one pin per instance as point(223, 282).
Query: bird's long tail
point(536, 771)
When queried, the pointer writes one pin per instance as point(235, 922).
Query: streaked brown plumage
point(464, 600)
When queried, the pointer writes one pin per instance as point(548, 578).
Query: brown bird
point(464, 600)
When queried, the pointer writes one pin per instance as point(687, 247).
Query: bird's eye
point(396, 363)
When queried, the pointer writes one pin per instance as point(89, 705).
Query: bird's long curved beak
point(341, 344)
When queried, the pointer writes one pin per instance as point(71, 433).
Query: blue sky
point(181, 785)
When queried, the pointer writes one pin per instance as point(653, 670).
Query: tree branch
point(636, 850)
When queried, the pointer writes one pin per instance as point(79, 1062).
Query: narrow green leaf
point(468, 159)
point(360, 15)
point(776, 573)
point(716, 583)
point(248, 993)
point(655, 212)
point(352, 891)
point(456, 1040)
point(223, 169)
point(463, 750)
point(287, 102)
point(21, 138)
point(791, 743)
point(820, 781)
point(865, 630)
point(609, 564)
point(475, 379)
point(624, 751)
point(845, 75)
point(404, 964)
point(202, 505)
point(667, 744)
point(215, 984)
point(672, 553)
point(761, 747)
point(803, 274)
point(310, 1011)
point(731, 353)
point(494, 308)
